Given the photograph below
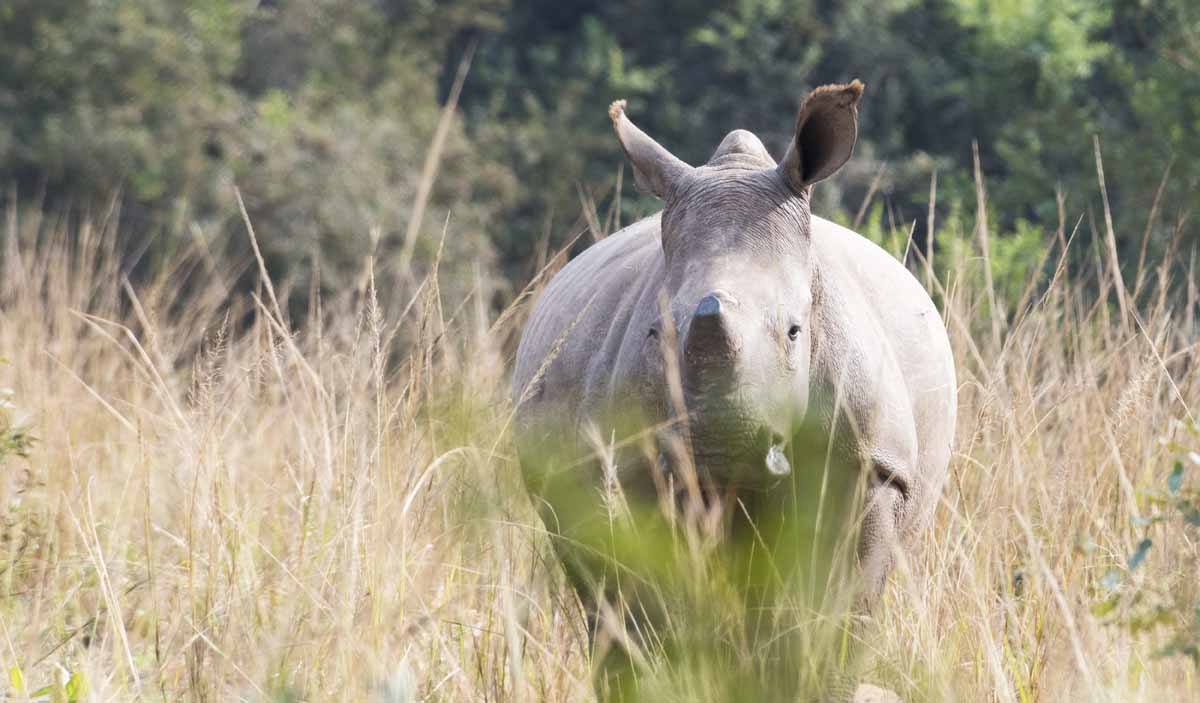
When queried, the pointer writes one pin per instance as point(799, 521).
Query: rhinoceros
point(780, 320)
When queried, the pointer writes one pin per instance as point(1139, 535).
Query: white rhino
point(782, 318)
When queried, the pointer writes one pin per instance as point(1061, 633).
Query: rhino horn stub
point(743, 146)
point(710, 306)
point(655, 169)
point(711, 336)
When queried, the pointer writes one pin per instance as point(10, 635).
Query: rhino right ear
point(656, 170)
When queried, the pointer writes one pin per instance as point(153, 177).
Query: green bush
point(1139, 605)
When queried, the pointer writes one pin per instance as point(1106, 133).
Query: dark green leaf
point(1139, 555)
point(1175, 480)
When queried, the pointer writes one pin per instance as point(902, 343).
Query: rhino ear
point(826, 129)
point(655, 169)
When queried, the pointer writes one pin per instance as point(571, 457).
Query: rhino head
point(739, 277)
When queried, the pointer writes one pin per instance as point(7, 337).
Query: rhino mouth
point(741, 457)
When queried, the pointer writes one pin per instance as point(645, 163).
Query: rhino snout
point(712, 336)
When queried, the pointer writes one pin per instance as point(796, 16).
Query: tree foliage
point(324, 112)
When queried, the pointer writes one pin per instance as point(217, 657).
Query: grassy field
point(225, 504)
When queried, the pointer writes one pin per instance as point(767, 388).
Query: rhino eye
point(794, 332)
point(652, 333)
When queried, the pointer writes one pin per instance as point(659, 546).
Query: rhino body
point(780, 318)
point(874, 327)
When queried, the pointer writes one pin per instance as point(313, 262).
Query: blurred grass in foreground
point(701, 589)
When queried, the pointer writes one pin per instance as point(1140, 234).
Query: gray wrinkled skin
point(780, 316)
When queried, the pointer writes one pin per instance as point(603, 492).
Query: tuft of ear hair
point(616, 109)
point(655, 169)
point(844, 94)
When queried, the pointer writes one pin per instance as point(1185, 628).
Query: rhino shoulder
point(854, 260)
point(875, 297)
point(584, 304)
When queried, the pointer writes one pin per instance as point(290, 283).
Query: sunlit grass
point(226, 504)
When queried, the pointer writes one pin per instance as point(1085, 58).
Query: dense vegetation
point(323, 113)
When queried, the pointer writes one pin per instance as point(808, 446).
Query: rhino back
point(577, 345)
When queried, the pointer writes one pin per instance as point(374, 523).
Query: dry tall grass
point(224, 504)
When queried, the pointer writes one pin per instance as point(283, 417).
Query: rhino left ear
point(826, 129)
point(655, 169)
